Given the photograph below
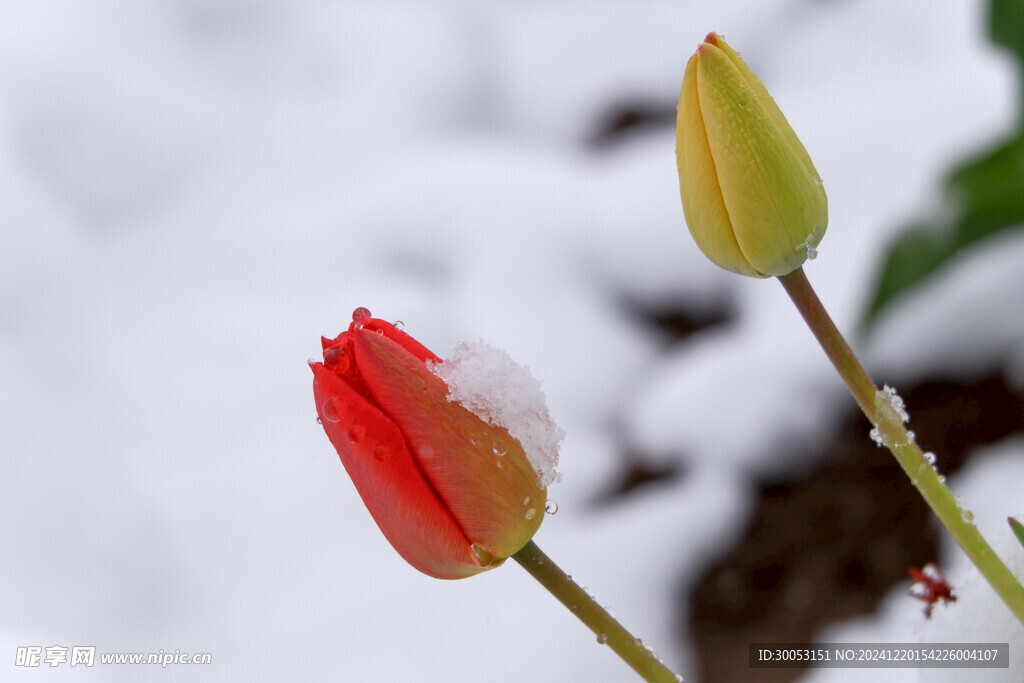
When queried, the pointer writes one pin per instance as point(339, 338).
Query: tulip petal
point(402, 502)
point(703, 205)
point(768, 102)
point(479, 471)
point(775, 204)
point(753, 201)
point(396, 335)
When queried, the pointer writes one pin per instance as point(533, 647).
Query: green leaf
point(982, 198)
point(985, 197)
point(1005, 21)
point(1018, 529)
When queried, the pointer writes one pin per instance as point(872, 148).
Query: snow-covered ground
point(194, 190)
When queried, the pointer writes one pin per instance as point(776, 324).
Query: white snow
point(196, 190)
point(488, 383)
point(990, 490)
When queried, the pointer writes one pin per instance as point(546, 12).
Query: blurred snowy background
point(194, 190)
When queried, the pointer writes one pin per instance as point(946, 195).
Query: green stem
point(889, 423)
point(609, 631)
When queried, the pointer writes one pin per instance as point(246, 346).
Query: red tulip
point(454, 495)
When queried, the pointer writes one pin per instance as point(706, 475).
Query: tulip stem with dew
point(596, 618)
point(888, 419)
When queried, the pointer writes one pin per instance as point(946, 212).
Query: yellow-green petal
point(753, 201)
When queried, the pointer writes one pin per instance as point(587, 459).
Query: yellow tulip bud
point(752, 199)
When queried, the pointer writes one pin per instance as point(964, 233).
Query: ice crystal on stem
point(887, 400)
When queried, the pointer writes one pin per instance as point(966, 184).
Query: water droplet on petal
point(526, 501)
point(356, 433)
point(380, 453)
point(531, 513)
point(399, 325)
point(500, 448)
point(331, 409)
point(380, 331)
point(551, 507)
point(602, 638)
point(361, 315)
point(499, 463)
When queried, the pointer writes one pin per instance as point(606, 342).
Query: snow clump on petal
point(488, 383)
